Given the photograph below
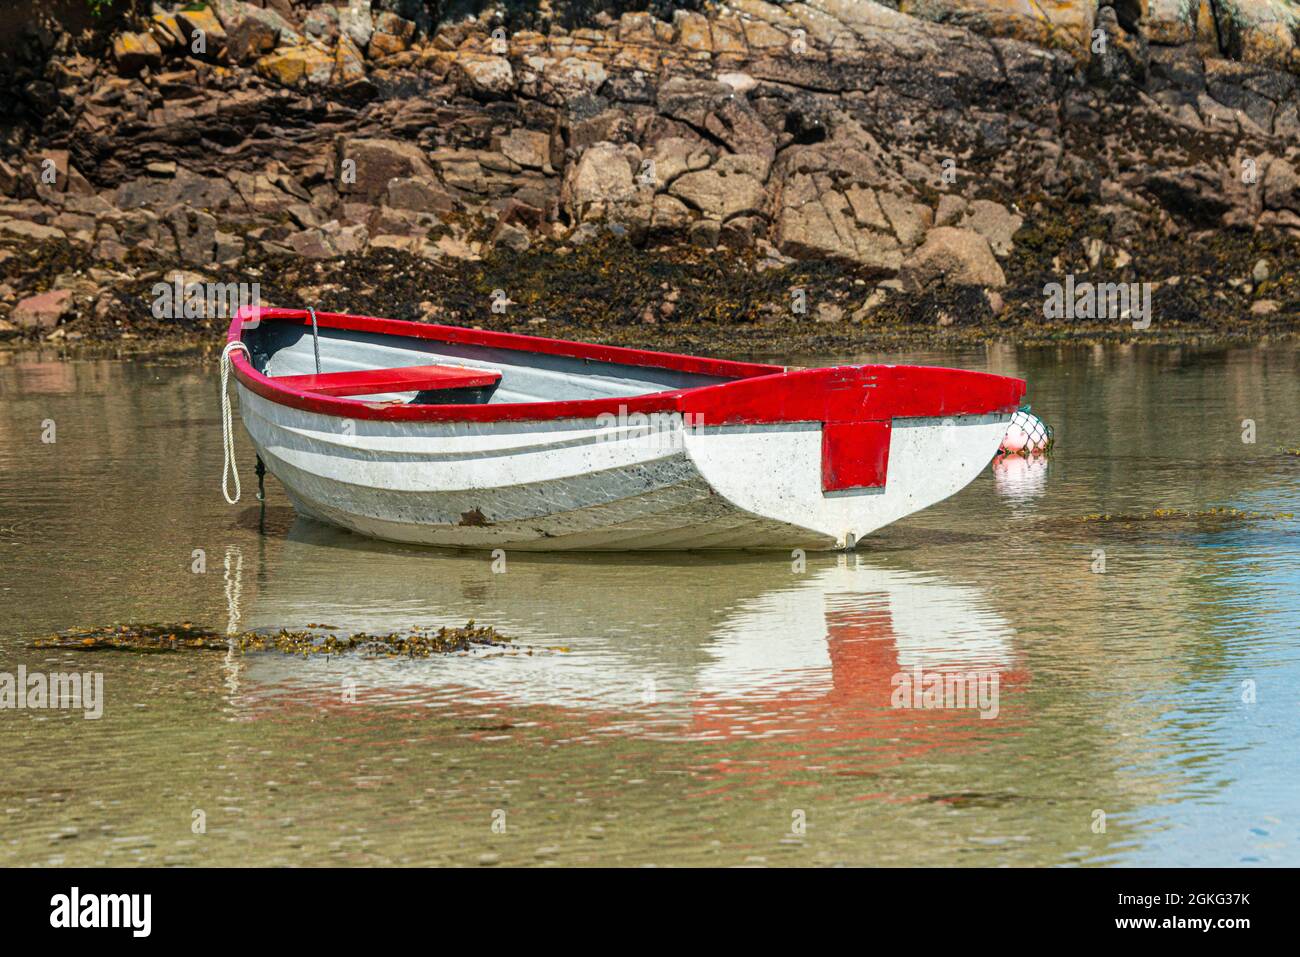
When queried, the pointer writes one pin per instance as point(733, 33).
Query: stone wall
point(917, 146)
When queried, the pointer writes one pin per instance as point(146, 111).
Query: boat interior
point(386, 367)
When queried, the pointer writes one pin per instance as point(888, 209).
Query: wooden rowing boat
point(442, 435)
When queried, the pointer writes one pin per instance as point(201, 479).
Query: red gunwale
point(759, 393)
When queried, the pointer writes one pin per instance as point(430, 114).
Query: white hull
point(583, 484)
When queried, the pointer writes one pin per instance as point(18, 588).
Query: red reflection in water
point(846, 720)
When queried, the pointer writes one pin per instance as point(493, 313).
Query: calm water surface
point(675, 710)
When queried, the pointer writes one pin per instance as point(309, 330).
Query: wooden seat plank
point(399, 379)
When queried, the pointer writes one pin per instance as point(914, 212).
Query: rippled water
point(675, 709)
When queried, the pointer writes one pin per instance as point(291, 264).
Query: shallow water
point(675, 710)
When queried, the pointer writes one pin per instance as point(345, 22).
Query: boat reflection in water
point(662, 646)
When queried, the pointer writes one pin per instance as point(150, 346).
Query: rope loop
point(228, 466)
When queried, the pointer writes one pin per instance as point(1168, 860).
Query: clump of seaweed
point(1223, 514)
point(147, 638)
point(162, 638)
point(417, 643)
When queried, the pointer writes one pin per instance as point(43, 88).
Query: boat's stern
point(848, 450)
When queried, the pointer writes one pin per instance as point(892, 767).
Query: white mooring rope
point(228, 466)
point(315, 338)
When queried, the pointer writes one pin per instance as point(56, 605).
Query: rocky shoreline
point(735, 177)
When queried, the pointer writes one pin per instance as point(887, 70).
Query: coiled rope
point(228, 466)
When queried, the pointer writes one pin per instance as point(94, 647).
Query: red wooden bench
point(400, 379)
